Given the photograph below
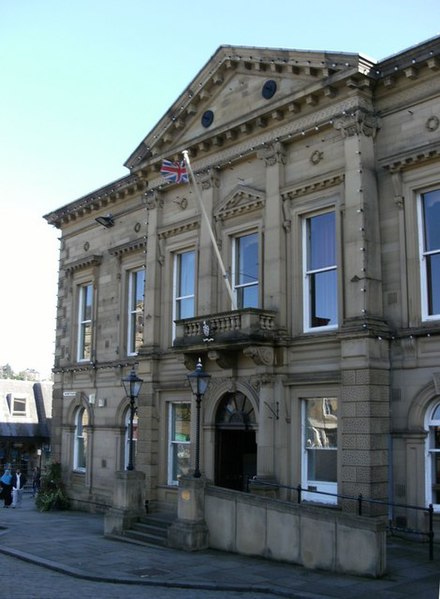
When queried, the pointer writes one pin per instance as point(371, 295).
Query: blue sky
point(82, 84)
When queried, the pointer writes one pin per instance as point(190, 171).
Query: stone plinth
point(190, 532)
point(128, 501)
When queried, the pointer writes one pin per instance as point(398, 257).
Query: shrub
point(52, 495)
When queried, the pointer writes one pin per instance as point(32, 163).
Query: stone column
point(189, 531)
point(365, 384)
point(274, 268)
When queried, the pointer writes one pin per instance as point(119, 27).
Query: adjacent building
point(302, 269)
point(25, 419)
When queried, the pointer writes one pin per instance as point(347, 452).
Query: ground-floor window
point(320, 448)
point(179, 435)
point(433, 457)
point(80, 442)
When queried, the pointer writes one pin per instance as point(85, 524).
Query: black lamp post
point(199, 380)
point(132, 385)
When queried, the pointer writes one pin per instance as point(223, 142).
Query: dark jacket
point(22, 480)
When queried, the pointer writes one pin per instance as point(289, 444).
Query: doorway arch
point(235, 441)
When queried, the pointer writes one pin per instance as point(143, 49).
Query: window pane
point(247, 259)
point(322, 246)
point(247, 297)
point(321, 465)
point(431, 214)
point(87, 308)
point(185, 308)
point(323, 299)
point(322, 422)
point(86, 352)
point(181, 460)
point(186, 274)
point(433, 281)
point(181, 422)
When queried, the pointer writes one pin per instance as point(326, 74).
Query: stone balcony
point(251, 331)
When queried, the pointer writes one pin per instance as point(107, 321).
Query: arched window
point(433, 457)
point(80, 442)
point(127, 438)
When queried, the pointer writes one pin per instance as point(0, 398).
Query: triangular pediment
point(240, 88)
point(241, 199)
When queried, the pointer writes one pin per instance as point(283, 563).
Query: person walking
point(18, 482)
point(36, 480)
point(6, 488)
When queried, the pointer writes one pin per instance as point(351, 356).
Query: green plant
point(52, 495)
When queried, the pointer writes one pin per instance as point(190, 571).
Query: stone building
point(319, 173)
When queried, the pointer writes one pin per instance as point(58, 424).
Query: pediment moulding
point(298, 190)
point(182, 227)
point(414, 157)
point(239, 200)
point(268, 145)
point(83, 263)
point(126, 248)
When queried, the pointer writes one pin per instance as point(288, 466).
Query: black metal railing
point(361, 500)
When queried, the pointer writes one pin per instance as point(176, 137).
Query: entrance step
point(151, 529)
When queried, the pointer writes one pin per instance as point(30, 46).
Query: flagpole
point(211, 233)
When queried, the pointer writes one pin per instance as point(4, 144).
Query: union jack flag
point(174, 172)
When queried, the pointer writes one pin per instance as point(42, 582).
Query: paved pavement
point(72, 543)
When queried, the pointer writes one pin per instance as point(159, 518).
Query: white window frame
point(307, 275)
point(235, 274)
point(423, 255)
point(134, 311)
point(84, 323)
point(318, 485)
point(177, 275)
point(80, 440)
point(430, 453)
point(21, 400)
point(172, 442)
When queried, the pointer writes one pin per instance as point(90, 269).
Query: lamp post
point(199, 380)
point(132, 385)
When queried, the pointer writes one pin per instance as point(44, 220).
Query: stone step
point(151, 529)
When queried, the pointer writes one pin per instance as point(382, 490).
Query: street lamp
point(132, 385)
point(199, 380)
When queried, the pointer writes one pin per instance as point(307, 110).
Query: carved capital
point(209, 180)
point(358, 122)
point(153, 199)
point(273, 154)
point(396, 178)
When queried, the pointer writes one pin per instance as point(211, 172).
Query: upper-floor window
point(245, 270)
point(85, 313)
point(184, 285)
point(136, 287)
point(429, 223)
point(320, 272)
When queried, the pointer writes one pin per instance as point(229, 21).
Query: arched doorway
point(236, 448)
